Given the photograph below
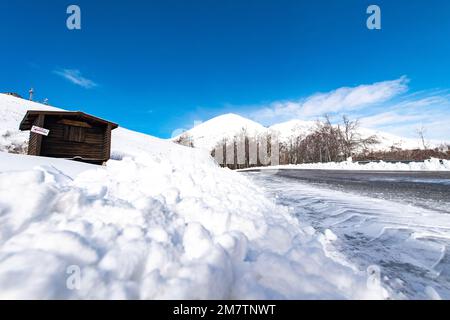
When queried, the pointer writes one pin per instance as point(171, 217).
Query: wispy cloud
point(386, 106)
point(428, 109)
point(344, 99)
point(75, 77)
point(388, 118)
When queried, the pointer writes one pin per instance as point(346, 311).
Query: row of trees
point(325, 143)
point(244, 151)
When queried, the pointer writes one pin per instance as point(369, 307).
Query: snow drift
point(160, 221)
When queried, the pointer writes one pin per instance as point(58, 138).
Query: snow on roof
point(30, 116)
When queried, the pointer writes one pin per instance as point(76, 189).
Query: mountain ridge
point(208, 134)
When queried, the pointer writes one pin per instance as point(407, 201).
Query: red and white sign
point(40, 130)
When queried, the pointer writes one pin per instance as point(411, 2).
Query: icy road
point(398, 222)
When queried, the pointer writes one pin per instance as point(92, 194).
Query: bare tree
point(421, 133)
point(325, 143)
point(350, 138)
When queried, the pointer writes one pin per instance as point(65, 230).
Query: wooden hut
point(70, 135)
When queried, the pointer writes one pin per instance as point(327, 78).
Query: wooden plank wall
point(107, 143)
point(56, 146)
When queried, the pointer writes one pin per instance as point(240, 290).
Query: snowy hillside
point(12, 112)
point(387, 140)
point(287, 130)
point(159, 221)
point(208, 134)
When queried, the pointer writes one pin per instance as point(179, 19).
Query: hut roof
point(31, 116)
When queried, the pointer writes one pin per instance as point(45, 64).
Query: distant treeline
point(403, 155)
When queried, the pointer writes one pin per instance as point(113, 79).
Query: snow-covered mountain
point(388, 140)
point(159, 221)
point(209, 133)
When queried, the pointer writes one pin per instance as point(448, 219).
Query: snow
point(432, 164)
point(208, 134)
point(286, 131)
point(140, 228)
point(16, 162)
point(159, 221)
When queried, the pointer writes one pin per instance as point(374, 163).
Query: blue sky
point(156, 66)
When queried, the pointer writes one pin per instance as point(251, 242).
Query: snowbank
point(427, 165)
point(160, 221)
point(143, 228)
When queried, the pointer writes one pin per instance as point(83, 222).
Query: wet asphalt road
point(426, 189)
